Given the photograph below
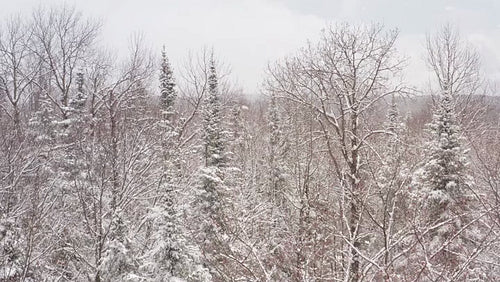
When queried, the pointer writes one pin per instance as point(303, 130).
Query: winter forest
point(135, 169)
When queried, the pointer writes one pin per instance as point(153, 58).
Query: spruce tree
point(445, 168)
point(213, 132)
point(445, 191)
point(118, 261)
point(171, 255)
point(168, 239)
point(209, 198)
point(167, 88)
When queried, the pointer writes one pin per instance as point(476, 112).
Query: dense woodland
point(131, 169)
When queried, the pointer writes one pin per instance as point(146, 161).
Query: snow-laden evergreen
point(213, 136)
point(444, 170)
point(167, 88)
point(209, 200)
point(213, 155)
point(445, 194)
point(119, 262)
point(171, 254)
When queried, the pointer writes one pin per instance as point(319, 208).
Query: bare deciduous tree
point(18, 67)
point(457, 69)
point(342, 79)
point(61, 39)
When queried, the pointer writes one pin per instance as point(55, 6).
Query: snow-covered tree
point(388, 208)
point(11, 250)
point(209, 201)
point(18, 67)
point(277, 151)
point(445, 191)
point(341, 79)
point(444, 171)
point(168, 93)
point(213, 136)
point(171, 255)
point(118, 262)
point(63, 38)
point(394, 171)
point(213, 145)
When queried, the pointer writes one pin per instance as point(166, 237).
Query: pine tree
point(169, 239)
point(212, 135)
point(445, 191)
point(171, 255)
point(445, 169)
point(213, 132)
point(209, 199)
point(213, 149)
point(42, 123)
point(118, 261)
point(167, 88)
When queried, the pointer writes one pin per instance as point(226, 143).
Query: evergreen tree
point(445, 192)
point(211, 233)
point(444, 173)
point(213, 132)
point(118, 261)
point(167, 88)
point(171, 255)
point(213, 153)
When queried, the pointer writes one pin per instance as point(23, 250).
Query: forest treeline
point(129, 169)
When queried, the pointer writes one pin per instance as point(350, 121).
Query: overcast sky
point(247, 34)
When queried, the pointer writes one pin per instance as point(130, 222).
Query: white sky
point(247, 34)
